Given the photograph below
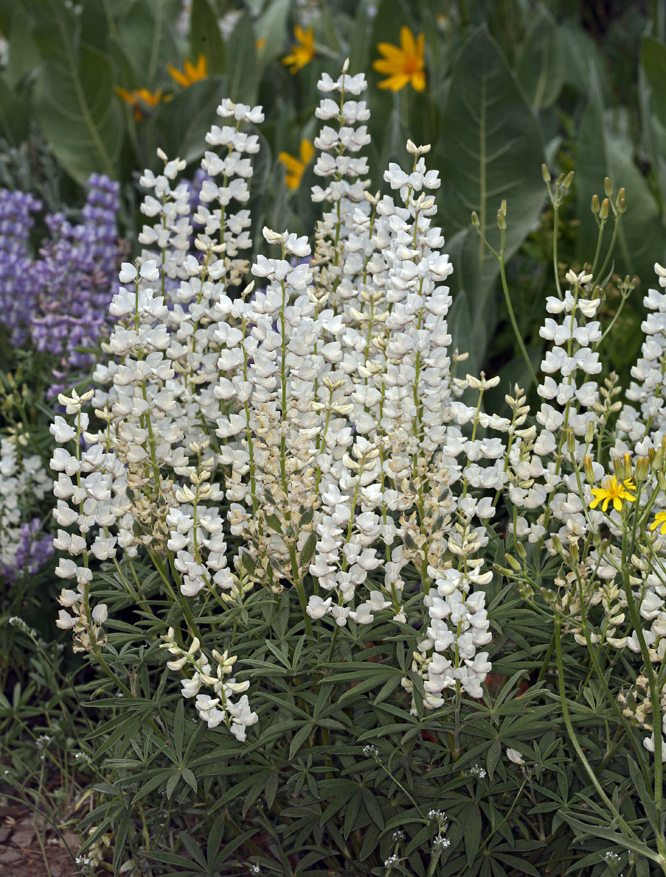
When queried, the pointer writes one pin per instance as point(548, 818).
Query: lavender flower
point(17, 288)
point(32, 552)
point(59, 300)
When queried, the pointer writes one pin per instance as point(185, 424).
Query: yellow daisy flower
point(141, 96)
point(191, 73)
point(659, 520)
point(612, 491)
point(296, 168)
point(303, 52)
point(404, 64)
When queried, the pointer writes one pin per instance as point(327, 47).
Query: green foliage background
point(509, 85)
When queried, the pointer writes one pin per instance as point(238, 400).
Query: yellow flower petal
point(391, 51)
point(301, 54)
point(407, 41)
point(395, 83)
point(291, 163)
point(402, 64)
point(125, 95)
point(307, 151)
point(202, 67)
point(179, 77)
point(419, 80)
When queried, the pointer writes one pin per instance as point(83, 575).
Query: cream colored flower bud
point(274, 237)
point(642, 469)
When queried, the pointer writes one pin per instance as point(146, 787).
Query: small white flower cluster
point(21, 476)
point(212, 710)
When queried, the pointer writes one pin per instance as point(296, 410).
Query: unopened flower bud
point(589, 432)
point(658, 459)
point(475, 220)
point(605, 207)
point(501, 221)
point(618, 468)
point(520, 550)
point(557, 544)
point(545, 173)
point(627, 465)
point(642, 468)
point(513, 563)
point(608, 188)
point(568, 180)
point(573, 551)
point(661, 481)
point(595, 204)
point(589, 471)
point(571, 440)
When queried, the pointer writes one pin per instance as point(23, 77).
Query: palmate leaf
point(583, 829)
point(73, 98)
point(490, 148)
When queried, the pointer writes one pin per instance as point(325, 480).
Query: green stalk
point(574, 739)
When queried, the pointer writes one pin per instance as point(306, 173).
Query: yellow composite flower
point(659, 520)
point(404, 64)
point(140, 96)
point(613, 491)
point(296, 167)
point(303, 52)
point(191, 73)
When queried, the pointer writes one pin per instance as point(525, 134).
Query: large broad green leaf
point(359, 44)
point(205, 37)
point(14, 115)
point(73, 97)
point(6, 10)
point(271, 30)
point(24, 55)
point(583, 59)
point(541, 69)
point(605, 150)
point(242, 62)
point(653, 60)
point(489, 149)
point(182, 124)
point(148, 35)
point(654, 133)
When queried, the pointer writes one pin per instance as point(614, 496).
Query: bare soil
point(21, 854)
